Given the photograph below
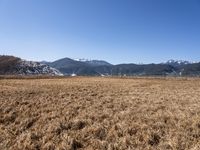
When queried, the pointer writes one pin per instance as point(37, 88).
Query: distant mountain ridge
point(102, 68)
point(85, 67)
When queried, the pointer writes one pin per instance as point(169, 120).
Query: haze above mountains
point(10, 65)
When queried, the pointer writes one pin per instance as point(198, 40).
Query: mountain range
point(84, 67)
point(102, 68)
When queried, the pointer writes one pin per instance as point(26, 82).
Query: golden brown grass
point(100, 113)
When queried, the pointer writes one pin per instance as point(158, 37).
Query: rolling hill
point(10, 65)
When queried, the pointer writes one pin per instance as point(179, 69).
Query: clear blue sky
point(113, 30)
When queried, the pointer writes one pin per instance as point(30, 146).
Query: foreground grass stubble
point(100, 113)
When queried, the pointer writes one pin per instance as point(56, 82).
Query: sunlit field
point(100, 113)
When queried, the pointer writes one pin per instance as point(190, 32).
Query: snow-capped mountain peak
point(179, 62)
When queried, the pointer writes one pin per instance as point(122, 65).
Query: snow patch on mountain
point(35, 68)
point(179, 62)
point(82, 59)
point(93, 62)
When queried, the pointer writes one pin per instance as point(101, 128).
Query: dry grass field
point(100, 114)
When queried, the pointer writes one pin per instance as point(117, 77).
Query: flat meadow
point(94, 113)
